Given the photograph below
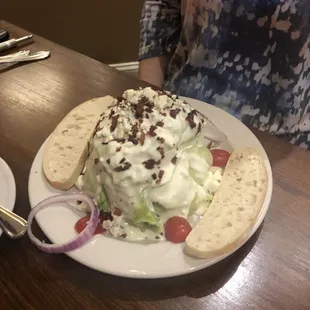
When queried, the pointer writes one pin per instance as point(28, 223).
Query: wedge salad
point(146, 167)
point(149, 165)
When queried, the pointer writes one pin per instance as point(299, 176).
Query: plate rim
point(174, 273)
point(12, 185)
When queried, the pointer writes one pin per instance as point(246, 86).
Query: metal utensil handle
point(7, 45)
point(18, 54)
point(19, 58)
point(12, 224)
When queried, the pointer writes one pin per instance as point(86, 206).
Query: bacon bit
point(143, 100)
point(199, 128)
point(125, 167)
point(118, 149)
point(150, 104)
point(122, 160)
point(154, 176)
point(142, 138)
point(147, 116)
point(163, 113)
point(190, 119)
point(139, 109)
point(161, 151)
point(114, 122)
point(97, 128)
point(152, 132)
point(96, 161)
point(175, 112)
point(161, 140)
point(111, 114)
point(149, 164)
point(108, 161)
point(148, 110)
point(133, 140)
point(135, 130)
point(174, 160)
point(160, 176)
point(160, 124)
point(146, 101)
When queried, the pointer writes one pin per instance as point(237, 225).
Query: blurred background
point(102, 29)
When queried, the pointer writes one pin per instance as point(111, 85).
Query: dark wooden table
point(270, 272)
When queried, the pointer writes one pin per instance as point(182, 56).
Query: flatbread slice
point(67, 148)
point(234, 209)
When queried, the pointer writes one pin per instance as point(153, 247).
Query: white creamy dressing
point(120, 228)
point(142, 154)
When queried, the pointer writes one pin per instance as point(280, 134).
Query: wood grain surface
point(270, 272)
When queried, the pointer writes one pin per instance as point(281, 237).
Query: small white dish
point(136, 260)
point(7, 187)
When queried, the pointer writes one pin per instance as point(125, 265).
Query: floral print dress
point(248, 57)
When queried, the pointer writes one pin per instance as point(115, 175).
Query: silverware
point(12, 224)
point(24, 56)
point(13, 42)
point(21, 53)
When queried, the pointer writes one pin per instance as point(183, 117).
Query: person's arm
point(152, 70)
point(160, 31)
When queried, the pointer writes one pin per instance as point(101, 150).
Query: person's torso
point(249, 57)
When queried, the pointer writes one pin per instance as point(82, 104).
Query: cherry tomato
point(177, 229)
point(81, 224)
point(220, 157)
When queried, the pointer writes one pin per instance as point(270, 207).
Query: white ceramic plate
point(131, 259)
point(7, 187)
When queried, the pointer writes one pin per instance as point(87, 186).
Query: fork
point(24, 56)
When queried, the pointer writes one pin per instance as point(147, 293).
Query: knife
point(13, 42)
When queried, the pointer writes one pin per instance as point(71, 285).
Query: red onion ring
point(74, 243)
